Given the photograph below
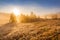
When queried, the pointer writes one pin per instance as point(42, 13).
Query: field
point(42, 30)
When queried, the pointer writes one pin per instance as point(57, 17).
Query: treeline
point(25, 18)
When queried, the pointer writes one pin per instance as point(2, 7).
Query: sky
point(39, 7)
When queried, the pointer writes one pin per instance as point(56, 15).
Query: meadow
point(41, 30)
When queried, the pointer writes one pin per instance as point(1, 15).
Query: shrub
point(31, 18)
point(12, 18)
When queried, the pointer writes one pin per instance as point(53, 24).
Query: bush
point(12, 18)
point(31, 18)
point(24, 18)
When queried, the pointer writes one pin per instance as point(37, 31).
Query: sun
point(16, 11)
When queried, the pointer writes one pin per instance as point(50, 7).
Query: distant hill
point(51, 16)
point(4, 18)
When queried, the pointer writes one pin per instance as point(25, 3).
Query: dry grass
point(41, 30)
point(30, 31)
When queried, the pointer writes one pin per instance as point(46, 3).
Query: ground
point(42, 30)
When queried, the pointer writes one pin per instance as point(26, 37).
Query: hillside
point(42, 30)
point(4, 18)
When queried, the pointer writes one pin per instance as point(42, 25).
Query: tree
point(25, 18)
point(12, 18)
point(33, 17)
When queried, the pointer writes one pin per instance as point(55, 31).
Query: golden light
point(16, 11)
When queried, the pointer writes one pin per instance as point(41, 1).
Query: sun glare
point(16, 11)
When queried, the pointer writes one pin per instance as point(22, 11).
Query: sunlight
point(16, 11)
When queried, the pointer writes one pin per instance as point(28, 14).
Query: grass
point(30, 31)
